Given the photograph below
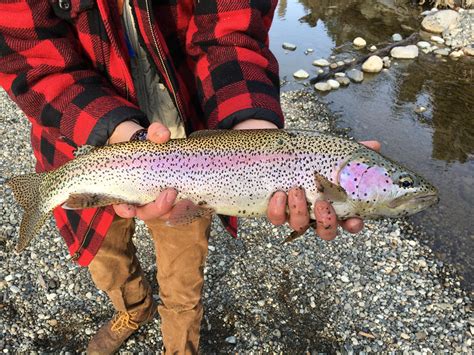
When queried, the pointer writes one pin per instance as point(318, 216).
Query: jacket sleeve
point(236, 74)
point(43, 71)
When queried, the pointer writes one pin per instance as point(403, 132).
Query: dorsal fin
point(83, 150)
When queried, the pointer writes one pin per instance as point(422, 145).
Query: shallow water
point(439, 143)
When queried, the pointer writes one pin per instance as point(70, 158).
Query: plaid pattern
point(67, 68)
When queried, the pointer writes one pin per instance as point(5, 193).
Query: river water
point(438, 143)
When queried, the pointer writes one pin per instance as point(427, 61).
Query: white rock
point(442, 51)
point(420, 109)
point(469, 50)
point(437, 39)
point(289, 46)
point(397, 37)
point(340, 75)
point(211, 248)
point(440, 21)
point(343, 81)
point(301, 74)
point(345, 279)
point(372, 48)
point(404, 52)
point(333, 84)
point(320, 71)
point(359, 42)
point(231, 340)
point(322, 87)
point(14, 289)
point(340, 63)
point(373, 65)
point(423, 44)
point(9, 278)
point(310, 50)
point(321, 63)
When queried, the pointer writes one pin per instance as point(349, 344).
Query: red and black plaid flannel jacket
point(65, 63)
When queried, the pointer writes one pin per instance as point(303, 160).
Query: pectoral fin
point(329, 190)
point(296, 234)
point(185, 212)
point(89, 200)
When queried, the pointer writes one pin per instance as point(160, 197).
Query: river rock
point(322, 87)
point(469, 50)
point(289, 46)
point(456, 54)
point(437, 39)
point(333, 65)
point(440, 21)
point(373, 65)
point(397, 37)
point(423, 44)
point(301, 74)
point(355, 75)
point(442, 51)
point(386, 62)
point(334, 84)
point(321, 63)
point(359, 42)
point(343, 81)
point(340, 75)
point(404, 52)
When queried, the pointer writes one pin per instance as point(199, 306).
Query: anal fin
point(89, 200)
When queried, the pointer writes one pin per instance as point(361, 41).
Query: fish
point(226, 172)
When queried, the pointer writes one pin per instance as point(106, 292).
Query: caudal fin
point(26, 190)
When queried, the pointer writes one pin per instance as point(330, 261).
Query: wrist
point(124, 131)
point(255, 123)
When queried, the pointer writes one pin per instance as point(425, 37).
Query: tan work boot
point(113, 334)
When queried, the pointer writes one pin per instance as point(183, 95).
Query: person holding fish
point(101, 72)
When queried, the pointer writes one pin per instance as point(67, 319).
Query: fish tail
point(26, 190)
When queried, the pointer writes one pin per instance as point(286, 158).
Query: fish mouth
point(424, 200)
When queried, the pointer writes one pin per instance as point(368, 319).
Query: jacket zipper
point(159, 51)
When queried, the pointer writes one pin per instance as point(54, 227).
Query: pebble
point(333, 65)
point(340, 63)
point(211, 248)
point(289, 46)
point(355, 75)
point(333, 84)
point(9, 278)
point(404, 52)
point(14, 289)
point(397, 37)
point(359, 42)
point(469, 50)
point(301, 74)
point(340, 75)
point(372, 48)
point(277, 333)
point(456, 54)
point(231, 340)
point(437, 39)
point(386, 62)
point(373, 64)
point(423, 44)
point(323, 86)
point(343, 81)
point(345, 279)
point(442, 51)
point(308, 51)
point(321, 63)
point(420, 109)
point(405, 336)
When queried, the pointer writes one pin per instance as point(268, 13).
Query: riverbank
point(379, 290)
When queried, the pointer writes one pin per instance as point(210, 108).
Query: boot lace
point(123, 320)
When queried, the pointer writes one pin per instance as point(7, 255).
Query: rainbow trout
point(227, 172)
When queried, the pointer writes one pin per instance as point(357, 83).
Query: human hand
point(298, 217)
point(157, 133)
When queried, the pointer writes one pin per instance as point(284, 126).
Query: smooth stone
point(343, 81)
point(320, 71)
point(14, 289)
point(355, 75)
point(469, 50)
point(405, 336)
point(340, 63)
point(340, 75)
point(231, 340)
point(440, 21)
point(9, 278)
point(420, 109)
point(404, 52)
point(372, 48)
point(397, 37)
point(373, 64)
point(309, 50)
point(301, 74)
point(423, 44)
point(322, 87)
point(333, 65)
point(345, 279)
point(289, 46)
point(359, 42)
point(334, 84)
point(321, 63)
point(442, 51)
point(437, 39)
point(386, 62)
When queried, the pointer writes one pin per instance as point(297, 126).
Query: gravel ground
point(380, 290)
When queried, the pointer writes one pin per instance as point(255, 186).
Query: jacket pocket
point(70, 9)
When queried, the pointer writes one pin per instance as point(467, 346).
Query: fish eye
point(406, 181)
